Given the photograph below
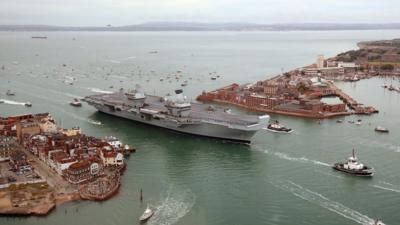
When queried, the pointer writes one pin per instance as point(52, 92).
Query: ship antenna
point(354, 154)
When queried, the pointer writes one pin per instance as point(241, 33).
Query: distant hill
point(382, 51)
point(186, 26)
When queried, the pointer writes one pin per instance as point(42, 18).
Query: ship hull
point(203, 129)
point(360, 173)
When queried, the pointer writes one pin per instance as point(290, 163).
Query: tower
point(320, 61)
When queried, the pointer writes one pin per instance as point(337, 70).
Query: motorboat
point(339, 121)
point(277, 128)
point(354, 167)
point(28, 104)
point(358, 122)
point(76, 102)
point(146, 215)
point(95, 122)
point(10, 93)
point(1, 101)
point(381, 129)
point(378, 222)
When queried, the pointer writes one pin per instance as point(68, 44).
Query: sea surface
point(279, 179)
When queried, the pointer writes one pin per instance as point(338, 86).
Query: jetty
point(357, 107)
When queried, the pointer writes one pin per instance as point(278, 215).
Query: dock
point(357, 107)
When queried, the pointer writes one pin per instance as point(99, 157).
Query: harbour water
point(279, 179)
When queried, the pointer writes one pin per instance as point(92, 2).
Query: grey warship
point(177, 114)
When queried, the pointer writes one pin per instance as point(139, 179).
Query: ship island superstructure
point(177, 114)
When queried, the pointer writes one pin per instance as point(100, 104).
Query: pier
point(358, 108)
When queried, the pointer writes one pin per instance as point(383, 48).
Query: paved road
point(52, 177)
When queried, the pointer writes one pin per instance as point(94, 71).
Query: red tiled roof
point(79, 165)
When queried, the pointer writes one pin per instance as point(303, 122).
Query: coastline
point(43, 209)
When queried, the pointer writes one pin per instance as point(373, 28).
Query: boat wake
point(302, 159)
point(94, 122)
point(388, 187)
point(329, 174)
point(10, 102)
point(322, 201)
point(113, 61)
point(373, 143)
point(175, 205)
point(121, 60)
point(285, 156)
point(97, 90)
point(73, 96)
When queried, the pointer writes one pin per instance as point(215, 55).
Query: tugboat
point(381, 129)
point(354, 167)
point(277, 128)
point(76, 103)
point(146, 215)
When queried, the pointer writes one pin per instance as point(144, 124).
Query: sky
point(128, 12)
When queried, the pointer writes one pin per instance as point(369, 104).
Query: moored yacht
point(278, 128)
point(354, 167)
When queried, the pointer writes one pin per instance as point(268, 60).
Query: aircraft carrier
point(177, 114)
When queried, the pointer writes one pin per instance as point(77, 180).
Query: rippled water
point(279, 179)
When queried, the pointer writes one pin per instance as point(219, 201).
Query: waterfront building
point(27, 127)
point(111, 157)
point(8, 145)
point(82, 171)
point(63, 163)
point(47, 126)
point(325, 72)
point(75, 131)
point(113, 141)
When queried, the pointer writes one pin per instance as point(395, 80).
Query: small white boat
point(76, 103)
point(146, 214)
point(381, 129)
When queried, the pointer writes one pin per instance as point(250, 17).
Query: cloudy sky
point(126, 12)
